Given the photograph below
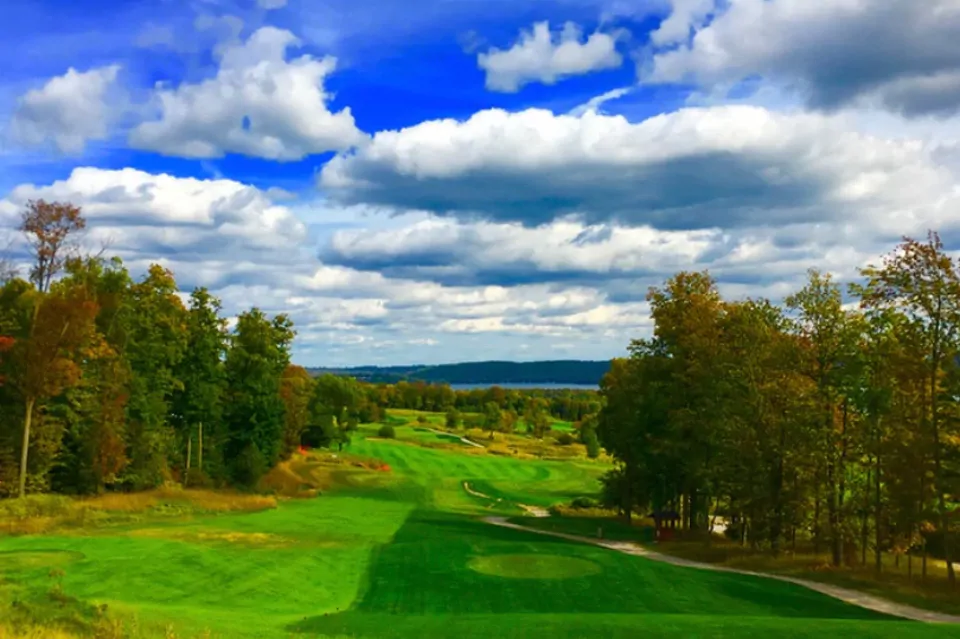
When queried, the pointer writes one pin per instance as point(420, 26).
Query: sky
point(462, 180)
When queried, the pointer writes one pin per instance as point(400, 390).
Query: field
point(398, 552)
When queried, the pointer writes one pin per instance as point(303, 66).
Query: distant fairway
point(403, 554)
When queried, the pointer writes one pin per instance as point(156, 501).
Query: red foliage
point(385, 468)
point(6, 343)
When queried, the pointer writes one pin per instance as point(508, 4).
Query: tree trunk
point(816, 516)
point(877, 505)
point(835, 548)
point(937, 462)
point(200, 450)
point(186, 476)
point(25, 450)
point(776, 530)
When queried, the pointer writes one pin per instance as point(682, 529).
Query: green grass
point(404, 554)
point(613, 528)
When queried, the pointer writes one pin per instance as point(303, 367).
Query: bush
point(593, 446)
point(422, 419)
point(565, 439)
point(584, 502)
point(386, 431)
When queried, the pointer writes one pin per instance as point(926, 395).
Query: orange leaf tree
point(44, 359)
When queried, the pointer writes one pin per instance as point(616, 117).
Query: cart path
point(854, 597)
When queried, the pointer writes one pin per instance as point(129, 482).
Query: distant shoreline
point(525, 386)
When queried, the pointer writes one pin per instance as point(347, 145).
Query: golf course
point(401, 549)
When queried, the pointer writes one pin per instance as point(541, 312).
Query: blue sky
point(464, 179)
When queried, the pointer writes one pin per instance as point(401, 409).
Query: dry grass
point(895, 582)
point(38, 514)
point(203, 500)
point(104, 629)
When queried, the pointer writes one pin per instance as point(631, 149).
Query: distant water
point(527, 386)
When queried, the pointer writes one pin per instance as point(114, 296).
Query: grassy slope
point(392, 559)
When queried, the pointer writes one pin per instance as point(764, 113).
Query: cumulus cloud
point(259, 104)
point(214, 229)
point(249, 248)
point(901, 54)
point(68, 110)
point(727, 166)
point(542, 56)
point(271, 4)
point(457, 254)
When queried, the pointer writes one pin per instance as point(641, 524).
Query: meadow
point(387, 542)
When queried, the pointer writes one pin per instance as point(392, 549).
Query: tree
point(687, 312)
point(54, 329)
point(198, 401)
point(831, 337)
point(921, 280)
point(259, 353)
point(50, 228)
point(536, 416)
point(508, 420)
point(453, 419)
point(492, 418)
point(296, 391)
point(156, 343)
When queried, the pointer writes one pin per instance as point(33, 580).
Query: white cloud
point(221, 227)
point(271, 4)
point(594, 103)
point(685, 15)
point(259, 104)
point(249, 249)
point(727, 166)
point(454, 253)
point(68, 110)
point(540, 56)
point(901, 54)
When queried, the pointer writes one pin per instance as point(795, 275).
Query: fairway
point(405, 554)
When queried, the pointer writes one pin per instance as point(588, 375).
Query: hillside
point(494, 372)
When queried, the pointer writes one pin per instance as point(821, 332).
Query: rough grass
point(894, 582)
point(586, 526)
point(36, 514)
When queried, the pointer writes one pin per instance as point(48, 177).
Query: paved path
point(844, 594)
point(463, 439)
point(533, 511)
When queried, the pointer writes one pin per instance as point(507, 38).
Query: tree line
point(113, 383)
point(834, 423)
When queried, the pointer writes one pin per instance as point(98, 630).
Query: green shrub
point(386, 431)
point(565, 439)
point(593, 446)
point(422, 419)
point(584, 502)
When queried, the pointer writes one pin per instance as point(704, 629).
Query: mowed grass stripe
point(425, 570)
point(608, 626)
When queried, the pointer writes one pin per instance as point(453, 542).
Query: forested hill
point(550, 372)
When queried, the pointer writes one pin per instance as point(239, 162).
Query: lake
point(545, 386)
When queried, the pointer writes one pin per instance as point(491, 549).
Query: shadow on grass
point(613, 626)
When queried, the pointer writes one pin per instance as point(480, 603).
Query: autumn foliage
point(818, 422)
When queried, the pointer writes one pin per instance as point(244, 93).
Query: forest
point(831, 420)
point(107, 383)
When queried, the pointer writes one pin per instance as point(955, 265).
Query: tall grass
point(37, 514)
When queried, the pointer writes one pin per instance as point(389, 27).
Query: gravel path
point(843, 594)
